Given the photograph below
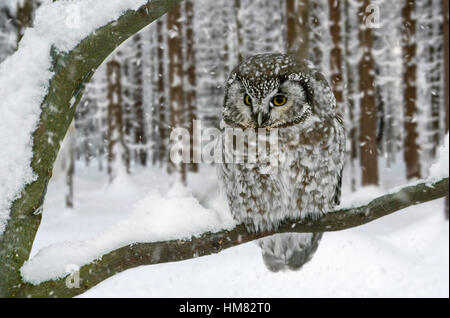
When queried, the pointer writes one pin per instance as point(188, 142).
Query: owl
point(276, 92)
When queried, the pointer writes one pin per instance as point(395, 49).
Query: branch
point(210, 243)
point(71, 73)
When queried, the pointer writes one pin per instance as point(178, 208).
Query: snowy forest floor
point(405, 254)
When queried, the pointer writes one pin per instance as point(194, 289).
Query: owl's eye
point(247, 100)
point(279, 100)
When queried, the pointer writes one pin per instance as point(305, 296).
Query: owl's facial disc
point(285, 104)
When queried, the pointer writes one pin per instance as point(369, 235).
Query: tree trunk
point(316, 36)
point(297, 28)
point(411, 147)
point(240, 43)
point(154, 132)
point(140, 137)
point(434, 77)
point(445, 25)
point(118, 154)
point(337, 81)
point(191, 95)
point(161, 94)
point(126, 106)
point(368, 116)
point(351, 106)
point(176, 93)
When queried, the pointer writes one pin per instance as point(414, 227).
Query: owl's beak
point(261, 118)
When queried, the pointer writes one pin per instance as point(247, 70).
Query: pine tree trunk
point(161, 93)
point(126, 100)
point(411, 147)
point(117, 150)
point(351, 88)
point(176, 93)
point(315, 49)
point(154, 133)
point(434, 77)
point(191, 95)
point(445, 24)
point(336, 53)
point(225, 54)
point(140, 136)
point(368, 116)
point(297, 28)
point(240, 43)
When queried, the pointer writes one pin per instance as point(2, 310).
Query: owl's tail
point(289, 250)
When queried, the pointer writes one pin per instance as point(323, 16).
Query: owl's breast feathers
point(306, 182)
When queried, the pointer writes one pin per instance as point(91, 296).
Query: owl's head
point(275, 91)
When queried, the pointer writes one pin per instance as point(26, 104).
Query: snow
point(405, 254)
point(360, 197)
point(24, 79)
point(440, 168)
point(159, 216)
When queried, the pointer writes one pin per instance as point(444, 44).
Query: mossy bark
point(71, 73)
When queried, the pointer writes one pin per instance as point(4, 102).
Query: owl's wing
point(341, 139)
point(337, 194)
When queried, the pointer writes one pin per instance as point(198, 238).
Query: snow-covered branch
point(40, 85)
point(139, 254)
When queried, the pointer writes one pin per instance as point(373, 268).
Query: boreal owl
point(282, 92)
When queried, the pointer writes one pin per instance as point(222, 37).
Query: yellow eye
point(247, 100)
point(279, 100)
